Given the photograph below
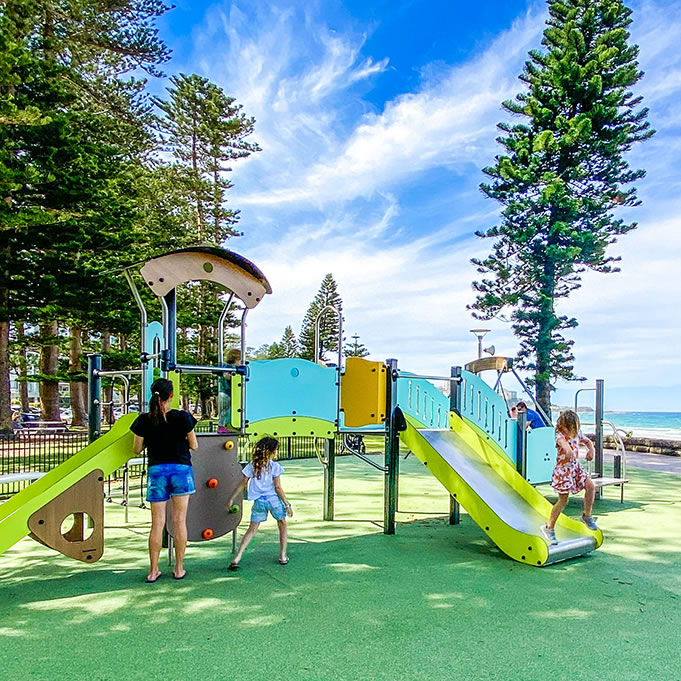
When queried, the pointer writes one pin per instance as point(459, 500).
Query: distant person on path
point(534, 420)
point(168, 435)
point(568, 475)
point(263, 477)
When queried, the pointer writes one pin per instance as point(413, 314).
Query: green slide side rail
point(521, 546)
point(107, 453)
point(493, 454)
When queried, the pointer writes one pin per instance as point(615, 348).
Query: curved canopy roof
point(206, 263)
point(486, 363)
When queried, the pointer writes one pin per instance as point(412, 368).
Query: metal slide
point(482, 479)
point(107, 453)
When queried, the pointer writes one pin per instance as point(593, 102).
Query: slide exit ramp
point(480, 476)
point(107, 453)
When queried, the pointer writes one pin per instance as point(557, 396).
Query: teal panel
point(154, 331)
point(422, 400)
point(286, 387)
point(485, 408)
point(541, 454)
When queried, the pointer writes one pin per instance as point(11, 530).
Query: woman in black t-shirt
point(168, 435)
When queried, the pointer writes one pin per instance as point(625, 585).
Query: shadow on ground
point(432, 602)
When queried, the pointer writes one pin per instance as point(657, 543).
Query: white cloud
point(330, 191)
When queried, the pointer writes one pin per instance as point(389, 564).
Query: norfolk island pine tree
point(562, 174)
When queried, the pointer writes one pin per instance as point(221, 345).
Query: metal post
point(329, 477)
point(94, 382)
point(454, 511)
point(392, 451)
point(243, 335)
point(521, 449)
point(455, 406)
point(599, 433)
point(170, 299)
point(221, 330)
point(143, 332)
point(455, 391)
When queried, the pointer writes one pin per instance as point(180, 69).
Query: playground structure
point(488, 462)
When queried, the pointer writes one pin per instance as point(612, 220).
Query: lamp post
point(356, 344)
point(480, 333)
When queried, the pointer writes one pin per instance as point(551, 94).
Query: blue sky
point(375, 119)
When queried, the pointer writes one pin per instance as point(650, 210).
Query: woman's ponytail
point(161, 390)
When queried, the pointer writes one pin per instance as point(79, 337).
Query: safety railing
point(486, 409)
point(419, 398)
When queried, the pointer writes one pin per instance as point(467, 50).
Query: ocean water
point(654, 424)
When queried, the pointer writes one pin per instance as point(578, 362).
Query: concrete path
point(653, 462)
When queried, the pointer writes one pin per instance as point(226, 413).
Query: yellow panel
point(363, 396)
point(175, 402)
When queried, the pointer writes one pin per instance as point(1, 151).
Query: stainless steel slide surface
point(496, 496)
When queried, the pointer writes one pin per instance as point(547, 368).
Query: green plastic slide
point(511, 512)
point(107, 454)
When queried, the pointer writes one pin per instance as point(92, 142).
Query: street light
point(480, 333)
point(356, 339)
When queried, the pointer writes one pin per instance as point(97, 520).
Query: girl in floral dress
point(568, 475)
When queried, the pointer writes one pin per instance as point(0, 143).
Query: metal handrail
point(451, 379)
point(619, 444)
point(577, 395)
point(221, 329)
point(201, 369)
point(359, 455)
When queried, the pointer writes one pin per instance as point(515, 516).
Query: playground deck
point(433, 602)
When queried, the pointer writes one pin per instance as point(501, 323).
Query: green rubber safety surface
point(434, 602)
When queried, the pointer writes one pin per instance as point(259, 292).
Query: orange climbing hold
point(207, 533)
point(212, 483)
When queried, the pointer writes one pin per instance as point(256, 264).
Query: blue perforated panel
point(422, 400)
point(485, 408)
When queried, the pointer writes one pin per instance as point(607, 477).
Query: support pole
point(521, 448)
point(329, 477)
point(94, 385)
point(392, 451)
point(455, 406)
point(599, 434)
point(170, 359)
point(454, 511)
point(455, 391)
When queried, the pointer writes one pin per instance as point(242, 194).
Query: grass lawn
point(434, 602)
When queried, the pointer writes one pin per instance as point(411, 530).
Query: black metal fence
point(35, 451)
point(32, 451)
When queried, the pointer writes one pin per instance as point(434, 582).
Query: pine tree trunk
point(77, 388)
point(23, 370)
point(5, 386)
point(49, 366)
point(546, 324)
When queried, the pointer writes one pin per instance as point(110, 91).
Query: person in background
point(534, 420)
point(168, 435)
point(513, 412)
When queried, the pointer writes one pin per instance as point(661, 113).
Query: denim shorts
point(165, 480)
point(264, 505)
